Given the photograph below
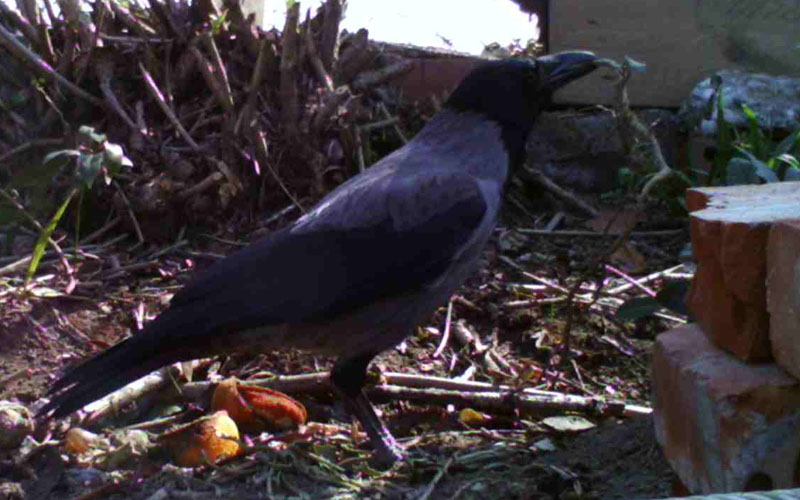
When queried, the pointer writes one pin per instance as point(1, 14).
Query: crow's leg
point(348, 378)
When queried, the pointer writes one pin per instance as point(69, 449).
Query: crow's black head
point(513, 92)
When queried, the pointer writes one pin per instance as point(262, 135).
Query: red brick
point(729, 227)
point(719, 420)
point(728, 293)
point(751, 198)
point(434, 77)
point(783, 294)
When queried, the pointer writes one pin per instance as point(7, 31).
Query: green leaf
point(789, 160)
point(114, 155)
point(750, 115)
point(725, 134)
point(63, 152)
point(89, 167)
point(218, 22)
point(756, 139)
point(792, 174)
point(788, 144)
point(637, 308)
point(673, 296)
point(685, 178)
point(761, 169)
point(44, 236)
point(114, 160)
point(89, 134)
point(782, 164)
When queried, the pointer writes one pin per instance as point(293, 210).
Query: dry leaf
point(615, 221)
point(472, 418)
point(629, 259)
point(78, 441)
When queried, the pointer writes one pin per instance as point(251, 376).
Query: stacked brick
point(727, 387)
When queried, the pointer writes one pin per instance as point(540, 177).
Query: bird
point(360, 270)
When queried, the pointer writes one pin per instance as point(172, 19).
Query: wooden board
point(681, 41)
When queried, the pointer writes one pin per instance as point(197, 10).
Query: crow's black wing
point(387, 236)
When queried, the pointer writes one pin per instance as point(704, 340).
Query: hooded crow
point(356, 274)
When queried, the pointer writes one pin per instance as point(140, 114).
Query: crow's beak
point(557, 70)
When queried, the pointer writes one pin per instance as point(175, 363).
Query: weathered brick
point(783, 294)
point(723, 424)
point(729, 227)
point(434, 77)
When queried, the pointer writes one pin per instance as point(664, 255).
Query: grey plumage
point(353, 276)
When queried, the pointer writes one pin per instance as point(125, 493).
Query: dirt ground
point(615, 461)
point(511, 456)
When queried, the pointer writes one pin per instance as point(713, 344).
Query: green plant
point(94, 156)
point(218, 22)
point(750, 157)
point(670, 191)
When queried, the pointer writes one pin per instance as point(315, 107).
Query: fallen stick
point(443, 391)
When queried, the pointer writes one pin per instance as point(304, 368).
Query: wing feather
point(387, 236)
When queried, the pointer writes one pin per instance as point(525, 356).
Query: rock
point(772, 98)
point(724, 425)
point(783, 294)
point(583, 151)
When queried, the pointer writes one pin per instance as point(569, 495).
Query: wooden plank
point(681, 42)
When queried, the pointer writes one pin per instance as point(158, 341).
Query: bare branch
point(159, 97)
point(17, 49)
point(329, 34)
point(290, 49)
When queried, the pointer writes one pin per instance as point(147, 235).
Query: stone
point(724, 425)
point(772, 98)
point(729, 228)
point(783, 294)
point(16, 423)
point(583, 151)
